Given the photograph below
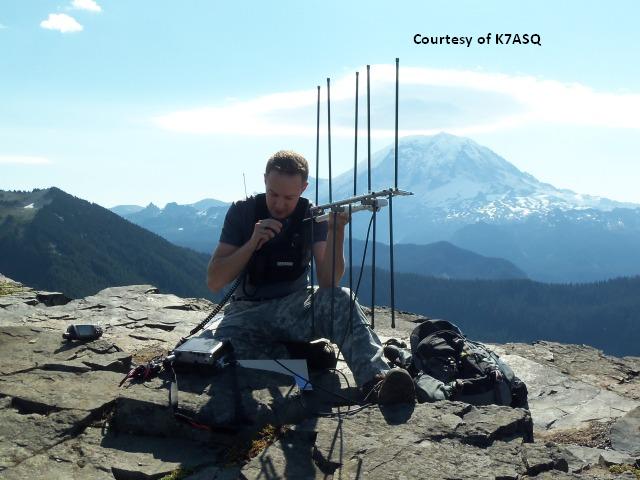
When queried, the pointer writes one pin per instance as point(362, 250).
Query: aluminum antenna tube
point(365, 197)
point(329, 133)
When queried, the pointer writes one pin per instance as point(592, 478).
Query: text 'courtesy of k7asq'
point(488, 39)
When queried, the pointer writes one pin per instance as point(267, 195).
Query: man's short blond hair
point(288, 162)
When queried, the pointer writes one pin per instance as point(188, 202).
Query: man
point(267, 244)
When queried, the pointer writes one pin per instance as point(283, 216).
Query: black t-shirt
point(237, 230)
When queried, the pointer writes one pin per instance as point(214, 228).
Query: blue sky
point(123, 102)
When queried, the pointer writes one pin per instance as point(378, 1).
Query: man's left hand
point(339, 220)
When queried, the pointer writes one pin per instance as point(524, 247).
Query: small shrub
point(618, 469)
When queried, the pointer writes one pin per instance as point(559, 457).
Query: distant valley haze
point(464, 194)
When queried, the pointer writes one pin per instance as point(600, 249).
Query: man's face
point(282, 192)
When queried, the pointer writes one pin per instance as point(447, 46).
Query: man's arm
point(325, 251)
point(228, 261)
point(226, 264)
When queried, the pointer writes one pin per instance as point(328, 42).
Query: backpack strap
point(261, 210)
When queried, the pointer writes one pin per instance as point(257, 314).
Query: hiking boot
point(395, 386)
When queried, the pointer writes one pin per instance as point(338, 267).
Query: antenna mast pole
point(313, 303)
point(317, 144)
point(373, 249)
point(393, 298)
point(333, 260)
point(329, 133)
point(355, 181)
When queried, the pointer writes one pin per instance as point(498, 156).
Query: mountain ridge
point(83, 247)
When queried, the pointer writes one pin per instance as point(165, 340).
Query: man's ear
point(304, 187)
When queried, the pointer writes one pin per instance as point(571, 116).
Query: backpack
point(446, 365)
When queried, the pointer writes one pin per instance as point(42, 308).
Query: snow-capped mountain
point(467, 194)
point(457, 179)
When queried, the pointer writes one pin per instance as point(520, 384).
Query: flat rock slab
point(23, 435)
point(43, 391)
point(559, 401)
point(620, 375)
point(62, 414)
point(95, 455)
point(23, 348)
point(41, 373)
point(443, 440)
point(625, 433)
point(587, 457)
point(136, 318)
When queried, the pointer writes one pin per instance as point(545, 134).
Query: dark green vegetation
point(625, 468)
point(67, 244)
point(439, 259)
point(604, 314)
point(582, 245)
point(10, 288)
point(21, 206)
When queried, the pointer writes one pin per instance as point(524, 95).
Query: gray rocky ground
point(64, 415)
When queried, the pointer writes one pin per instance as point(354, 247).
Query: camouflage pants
point(255, 328)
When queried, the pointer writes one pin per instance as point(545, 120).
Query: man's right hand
point(265, 230)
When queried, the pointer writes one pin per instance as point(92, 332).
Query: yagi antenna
point(372, 201)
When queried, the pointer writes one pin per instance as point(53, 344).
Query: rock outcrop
point(63, 413)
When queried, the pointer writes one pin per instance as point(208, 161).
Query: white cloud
point(90, 5)
point(462, 102)
point(61, 22)
point(23, 160)
point(2, 26)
